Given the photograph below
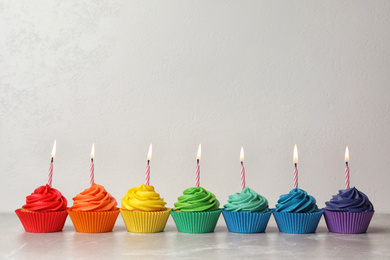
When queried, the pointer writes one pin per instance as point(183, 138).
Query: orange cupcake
point(94, 210)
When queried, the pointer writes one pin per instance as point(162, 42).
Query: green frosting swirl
point(196, 199)
point(247, 201)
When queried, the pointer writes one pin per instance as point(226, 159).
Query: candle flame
point(150, 152)
point(93, 151)
point(295, 157)
point(199, 152)
point(242, 154)
point(53, 151)
point(346, 154)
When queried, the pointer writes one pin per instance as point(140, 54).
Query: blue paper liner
point(297, 223)
point(196, 222)
point(246, 222)
point(347, 222)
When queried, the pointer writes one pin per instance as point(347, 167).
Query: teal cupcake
point(246, 212)
point(297, 212)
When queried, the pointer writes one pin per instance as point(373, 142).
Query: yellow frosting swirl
point(143, 198)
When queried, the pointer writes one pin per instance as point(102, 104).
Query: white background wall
point(260, 74)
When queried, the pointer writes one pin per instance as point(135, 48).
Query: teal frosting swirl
point(296, 201)
point(247, 201)
point(196, 199)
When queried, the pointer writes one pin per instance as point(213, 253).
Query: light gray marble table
point(17, 244)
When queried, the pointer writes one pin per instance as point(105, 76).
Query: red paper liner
point(94, 222)
point(347, 222)
point(42, 222)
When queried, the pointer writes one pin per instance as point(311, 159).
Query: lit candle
point(242, 169)
point(53, 155)
point(346, 168)
point(197, 170)
point(147, 178)
point(92, 167)
point(295, 160)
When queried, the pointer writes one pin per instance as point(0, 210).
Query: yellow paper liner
point(145, 221)
point(94, 222)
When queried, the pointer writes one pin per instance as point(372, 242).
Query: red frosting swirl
point(45, 198)
point(95, 198)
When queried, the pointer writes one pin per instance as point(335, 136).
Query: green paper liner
point(42, 222)
point(145, 221)
point(93, 221)
point(297, 223)
point(196, 222)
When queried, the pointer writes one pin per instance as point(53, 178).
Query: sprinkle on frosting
point(349, 200)
point(143, 198)
point(247, 201)
point(296, 201)
point(95, 198)
point(196, 199)
point(45, 198)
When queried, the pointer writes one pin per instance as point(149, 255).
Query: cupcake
point(297, 212)
point(348, 212)
point(94, 210)
point(197, 211)
point(246, 212)
point(44, 211)
point(143, 210)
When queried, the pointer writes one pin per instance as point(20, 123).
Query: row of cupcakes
point(197, 211)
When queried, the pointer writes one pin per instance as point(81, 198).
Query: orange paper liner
point(42, 222)
point(145, 221)
point(93, 222)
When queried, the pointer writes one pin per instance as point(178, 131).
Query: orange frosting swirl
point(95, 198)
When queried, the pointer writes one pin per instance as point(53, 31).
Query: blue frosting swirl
point(296, 201)
point(350, 200)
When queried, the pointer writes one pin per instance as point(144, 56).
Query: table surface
point(17, 244)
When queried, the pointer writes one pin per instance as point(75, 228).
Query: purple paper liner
point(246, 222)
point(347, 222)
point(297, 223)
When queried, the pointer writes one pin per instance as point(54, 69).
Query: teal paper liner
point(348, 222)
point(246, 222)
point(196, 222)
point(297, 223)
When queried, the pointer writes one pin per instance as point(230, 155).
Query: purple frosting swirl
point(350, 200)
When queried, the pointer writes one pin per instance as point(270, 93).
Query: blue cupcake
point(297, 212)
point(246, 212)
point(348, 212)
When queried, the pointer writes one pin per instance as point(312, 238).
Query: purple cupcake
point(348, 212)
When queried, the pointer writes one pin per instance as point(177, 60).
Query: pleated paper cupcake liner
point(297, 223)
point(42, 222)
point(93, 222)
point(347, 222)
point(196, 222)
point(144, 221)
point(246, 222)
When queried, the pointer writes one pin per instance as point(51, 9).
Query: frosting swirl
point(247, 201)
point(45, 198)
point(350, 200)
point(143, 198)
point(296, 201)
point(95, 198)
point(196, 199)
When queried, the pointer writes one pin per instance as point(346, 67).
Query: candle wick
point(295, 164)
point(242, 163)
point(91, 160)
point(197, 161)
point(346, 163)
point(51, 161)
point(148, 162)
